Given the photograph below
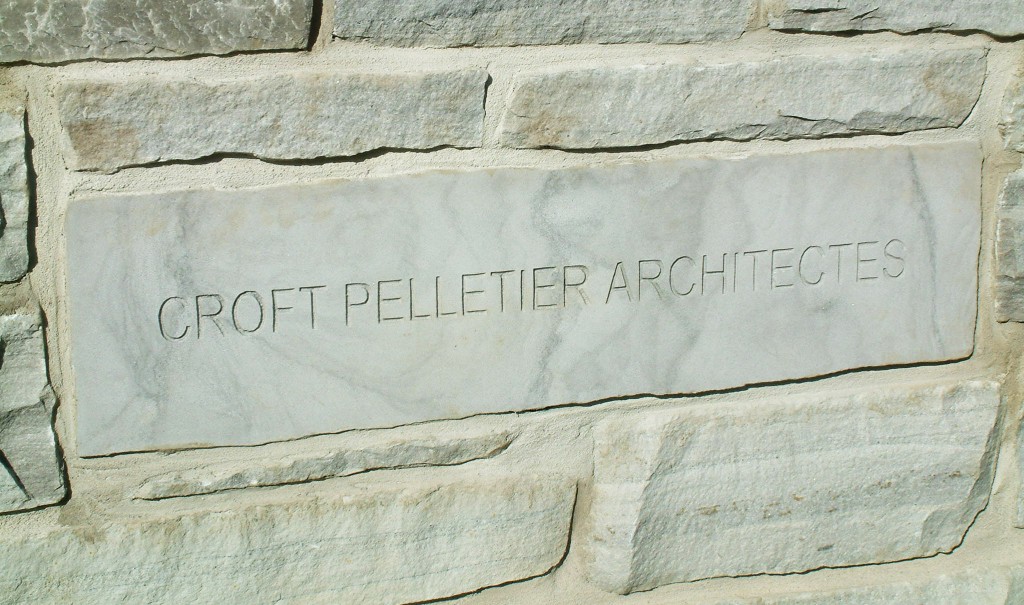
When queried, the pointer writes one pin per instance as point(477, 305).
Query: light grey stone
point(785, 98)
point(32, 474)
point(367, 545)
point(782, 266)
point(298, 116)
point(48, 31)
point(14, 196)
point(1009, 248)
point(397, 453)
point(1011, 124)
point(977, 586)
point(998, 17)
point(1020, 488)
point(514, 22)
point(789, 485)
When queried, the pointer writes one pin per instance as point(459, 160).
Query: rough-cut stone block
point(792, 97)
point(31, 474)
point(789, 485)
point(514, 22)
point(14, 196)
point(456, 448)
point(1011, 125)
point(1009, 249)
point(1020, 492)
point(990, 586)
point(50, 31)
point(239, 317)
point(113, 124)
point(998, 17)
point(370, 545)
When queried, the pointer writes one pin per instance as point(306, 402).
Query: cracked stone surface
point(14, 195)
point(31, 474)
point(48, 31)
point(364, 543)
point(998, 17)
point(303, 116)
point(786, 98)
point(789, 485)
point(442, 23)
point(397, 453)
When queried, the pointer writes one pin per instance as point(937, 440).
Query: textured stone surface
point(1011, 124)
point(306, 115)
point(781, 266)
point(999, 17)
point(14, 196)
point(792, 97)
point(514, 22)
point(1020, 489)
point(50, 31)
point(31, 474)
point(990, 586)
point(1009, 249)
point(789, 485)
point(368, 545)
point(397, 453)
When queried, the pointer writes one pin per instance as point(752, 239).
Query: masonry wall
point(891, 484)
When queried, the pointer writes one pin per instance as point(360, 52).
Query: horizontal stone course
point(513, 22)
point(789, 485)
point(396, 453)
point(51, 31)
point(976, 586)
point(368, 544)
point(786, 98)
point(14, 195)
point(111, 124)
point(998, 17)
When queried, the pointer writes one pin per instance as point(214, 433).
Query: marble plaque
point(209, 318)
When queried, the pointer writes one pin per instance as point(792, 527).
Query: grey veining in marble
point(218, 317)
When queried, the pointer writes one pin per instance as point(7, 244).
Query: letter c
point(160, 319)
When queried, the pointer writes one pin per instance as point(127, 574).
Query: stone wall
point(217, 384)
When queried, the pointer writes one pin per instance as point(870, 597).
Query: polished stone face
point(217, 318)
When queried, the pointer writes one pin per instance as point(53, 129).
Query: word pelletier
point(537, 288)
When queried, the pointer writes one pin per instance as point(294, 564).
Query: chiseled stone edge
point(1009, 251)
point(366, 543)
point(75, 30)
point(611, 107)
point(841, 16)
point(307, 115)
point(442, 23)
point(14, 195)
point(27, 439)
point(393, 454)
point(616, 513)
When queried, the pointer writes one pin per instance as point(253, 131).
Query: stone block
point(1009, 251)
point(789, 485)
point(109, 125)
point(443, 23)
point(239, 317)
point(31, 473)
point(997, 17)
point(456, 448)
point(785, 98)
point(14, 196)
point(366, 545)
point(1011, 123)
point(53, 31)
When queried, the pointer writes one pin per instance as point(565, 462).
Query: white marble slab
point(530, 288)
